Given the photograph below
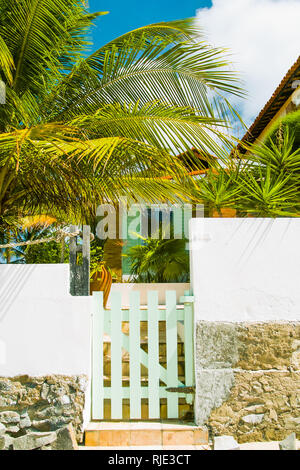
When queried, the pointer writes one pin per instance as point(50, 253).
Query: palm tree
point(77, 131)
point(159, 260)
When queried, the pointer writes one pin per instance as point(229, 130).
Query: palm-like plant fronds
point(289, 124)
point(159, 260)
point(267, 194)
point(283, 156)
point(77, 130)
point(266, 184)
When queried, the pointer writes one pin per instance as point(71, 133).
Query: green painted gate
point(160, 379)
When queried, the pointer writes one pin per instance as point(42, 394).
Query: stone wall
point(36, 411)
point(248, 379)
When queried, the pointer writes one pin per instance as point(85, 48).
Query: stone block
point(290, 443)
point(66, 439)
point(25, 421)
point(270, 345)
point(9, 417)
point(2, 429)
point(216, 345)
point(225, 443)
point(213, 388)
point(55, 400)
point(34, 440)
point(253, 418)
point(241, 414)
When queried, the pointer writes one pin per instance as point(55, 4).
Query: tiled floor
point(137, 425)
point(159, 434)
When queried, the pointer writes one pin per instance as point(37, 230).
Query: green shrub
point(159, 261)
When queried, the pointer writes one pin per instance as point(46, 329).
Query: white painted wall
point(43, 329)
point(246, 269)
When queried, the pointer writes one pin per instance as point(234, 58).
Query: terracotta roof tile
point(277, 100)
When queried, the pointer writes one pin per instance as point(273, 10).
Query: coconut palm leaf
point(79, 130)
point(160, 124)
point(181, 74)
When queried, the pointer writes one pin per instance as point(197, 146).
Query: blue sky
point(263, 35)
point(126, 15)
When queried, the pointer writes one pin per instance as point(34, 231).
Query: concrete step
point(129, 434)
point(185, 410)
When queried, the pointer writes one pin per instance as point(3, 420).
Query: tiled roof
point(275, 103)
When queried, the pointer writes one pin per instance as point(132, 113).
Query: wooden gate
point(122, 329)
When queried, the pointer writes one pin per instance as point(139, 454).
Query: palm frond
point(181, 74)
point(43, 37)
point(162, 125)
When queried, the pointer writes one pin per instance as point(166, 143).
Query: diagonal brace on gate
point(143, 354)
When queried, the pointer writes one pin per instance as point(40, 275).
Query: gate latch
point(181, 389)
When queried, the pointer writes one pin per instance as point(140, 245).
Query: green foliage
point(288, 124)
point(159, 260)
point(46, 253)
point(96, 256)
point(51, 253)
point(29, 231)
point(219, 188)
point(80, 130)
point(266, 184)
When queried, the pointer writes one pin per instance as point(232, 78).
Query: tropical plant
point(265, 183)
point(159, 260)
point(46, 253)
point(28, 230)
point(77, 131)
point(218, 189)
point(287, 124)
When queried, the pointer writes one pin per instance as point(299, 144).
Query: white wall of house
point(246, 269)
point(43, 329)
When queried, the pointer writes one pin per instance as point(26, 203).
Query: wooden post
point(80, 273)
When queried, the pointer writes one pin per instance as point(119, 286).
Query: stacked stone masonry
point(248, 379)
point(41, 412)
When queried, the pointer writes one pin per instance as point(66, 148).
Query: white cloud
point(264, 37)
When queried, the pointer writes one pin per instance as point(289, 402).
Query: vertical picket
point(116, 356)
point(97, 356)
point(188, 342)
point(172, 357)
point(134, 355)
point(153, 353)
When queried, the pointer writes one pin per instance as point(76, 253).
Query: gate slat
point(189, 346)
point(98, 331)
point(153, 352)
point(134, 356)
point(172, 361)
point(116, 356)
